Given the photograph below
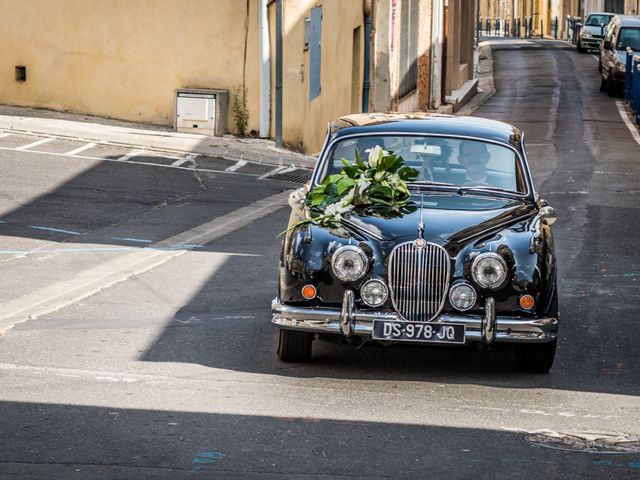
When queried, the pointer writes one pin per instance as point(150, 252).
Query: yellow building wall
point(304, 120)
point(125, 58)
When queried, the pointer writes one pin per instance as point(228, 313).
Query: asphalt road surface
point(126, 362)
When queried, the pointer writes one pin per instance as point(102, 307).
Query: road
point(126, 362)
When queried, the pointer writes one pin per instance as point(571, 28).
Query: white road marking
point(84, 284)
point(81, 149)
point(182, 161)
point(35, 144)
point(132, 162)
point(627, 121)
point(236, 166)
point(131, 154)
point(597, 58)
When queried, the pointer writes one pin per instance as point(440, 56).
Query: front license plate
point(418, 331)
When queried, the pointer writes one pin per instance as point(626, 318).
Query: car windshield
point(597, 20)
point(442, 160)
point(629, 37)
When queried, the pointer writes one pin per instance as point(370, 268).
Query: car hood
point(448, 219)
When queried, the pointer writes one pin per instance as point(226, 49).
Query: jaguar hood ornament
point(420, 241)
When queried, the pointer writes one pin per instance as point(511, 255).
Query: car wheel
point(579, 47)
point(536, 357)
point(294, 346)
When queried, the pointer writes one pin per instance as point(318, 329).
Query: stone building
point(126, 59)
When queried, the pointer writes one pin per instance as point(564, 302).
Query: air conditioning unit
point(201, 110)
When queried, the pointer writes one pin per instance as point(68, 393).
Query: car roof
point(425, 124)
point(627, 20)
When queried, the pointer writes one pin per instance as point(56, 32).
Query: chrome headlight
point(462, 296)
point(489, 270)
point(374, 292)
point(349, 263)
point(585, 34)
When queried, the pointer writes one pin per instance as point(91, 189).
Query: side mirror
point(548, 215)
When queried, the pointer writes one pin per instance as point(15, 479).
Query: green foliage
point(376, 187)
point(239, 108)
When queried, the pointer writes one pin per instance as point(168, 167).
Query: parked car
point(472, 263)
point(592, 31)
point(622, 32)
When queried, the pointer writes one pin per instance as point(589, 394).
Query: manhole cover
point(590, 442)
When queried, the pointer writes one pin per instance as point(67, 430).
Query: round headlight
point(374, 293)
point(462, 296)
point(349, 263)
point(489, 270)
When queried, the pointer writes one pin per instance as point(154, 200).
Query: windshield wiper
point(426, 183)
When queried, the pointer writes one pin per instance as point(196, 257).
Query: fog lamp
point(374, 293)
point(527, 302)
point(309, 292)
point(462, 296)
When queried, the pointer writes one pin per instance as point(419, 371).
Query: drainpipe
point(265, 71)
point(437, 39)
point(366, 84)
point(279, 73)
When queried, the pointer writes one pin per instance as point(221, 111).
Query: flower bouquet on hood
point(375, 187)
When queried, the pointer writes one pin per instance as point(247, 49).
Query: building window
point(614, 6)
point(315, 53)
point(408, 47)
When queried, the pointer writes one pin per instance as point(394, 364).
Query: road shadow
point(56, 441)
point(233, 332)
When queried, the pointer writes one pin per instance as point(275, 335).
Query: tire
point(579, 47)
point(294, 346)
point(535, 357)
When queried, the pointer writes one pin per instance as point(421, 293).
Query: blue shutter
point(315, 56)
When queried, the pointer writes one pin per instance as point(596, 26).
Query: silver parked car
point(591, 32)
point(622, 32)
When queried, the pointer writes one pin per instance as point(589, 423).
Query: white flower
point(375, 155)
point(363, 183)
point(394, 179)
point(337, 209)
point(379, 176)
point(348, 198)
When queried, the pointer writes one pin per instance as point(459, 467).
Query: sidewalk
point(149, 137)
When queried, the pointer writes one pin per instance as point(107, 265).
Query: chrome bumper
point(348, 321)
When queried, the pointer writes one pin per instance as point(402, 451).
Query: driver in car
point(474, 156)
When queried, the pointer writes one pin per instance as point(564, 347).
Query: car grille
point(418, 280)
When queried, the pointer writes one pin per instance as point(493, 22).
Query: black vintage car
point(473, 263)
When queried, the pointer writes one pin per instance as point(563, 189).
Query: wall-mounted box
point(201, 110)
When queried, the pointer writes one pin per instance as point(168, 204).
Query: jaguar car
point(472, 264)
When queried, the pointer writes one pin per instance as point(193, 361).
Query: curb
point(486, 84)
point(8, 123)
